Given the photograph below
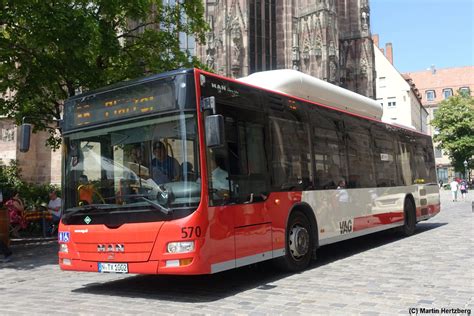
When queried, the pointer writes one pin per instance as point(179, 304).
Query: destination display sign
point(121, 103)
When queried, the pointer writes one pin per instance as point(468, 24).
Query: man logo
point(110, 248)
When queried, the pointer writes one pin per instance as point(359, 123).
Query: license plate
point(113, 267)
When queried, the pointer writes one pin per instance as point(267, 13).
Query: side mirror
point(215, 136)
point(25, 135)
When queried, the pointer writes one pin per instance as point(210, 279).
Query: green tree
point(454, 122)
point(51, 49)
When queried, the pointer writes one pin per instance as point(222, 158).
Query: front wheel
point(299, 243)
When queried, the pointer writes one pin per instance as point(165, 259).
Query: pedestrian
point(16, 209)
point(454, 189)
point(463, 188)
point(5, 251)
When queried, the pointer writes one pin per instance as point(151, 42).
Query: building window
point(443, 174)
point(262, 35)
point(430, 95)
point(447, 93)
point(392, 104)
point(438, 152)
point(382, 83)
point(8, 134)
point(465, 91)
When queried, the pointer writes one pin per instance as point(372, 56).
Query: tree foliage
point(454, 122)
point(51, 49)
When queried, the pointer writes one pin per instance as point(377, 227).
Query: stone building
point(435, 85)
point(328, 39)
point(39, 165)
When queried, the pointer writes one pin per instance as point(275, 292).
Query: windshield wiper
point(89, 207)
point(157, 206)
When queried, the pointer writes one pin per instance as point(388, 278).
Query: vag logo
point(345, 226)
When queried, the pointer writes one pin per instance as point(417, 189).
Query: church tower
point(327, 39)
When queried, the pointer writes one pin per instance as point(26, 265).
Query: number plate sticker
point(113, 267)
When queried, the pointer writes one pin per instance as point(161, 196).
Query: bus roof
point(298, 84)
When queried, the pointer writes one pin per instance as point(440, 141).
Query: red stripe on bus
point(375, 220)
point(434, 209)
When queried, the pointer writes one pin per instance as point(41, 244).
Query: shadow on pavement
point(345, 249)
point(31, 254)
point(207, 288)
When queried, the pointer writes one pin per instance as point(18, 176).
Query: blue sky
point(425, 32)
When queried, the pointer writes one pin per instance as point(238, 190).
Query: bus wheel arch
point(301, 238)
point(409, 216)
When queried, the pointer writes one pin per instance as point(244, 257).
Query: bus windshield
point(150, 165)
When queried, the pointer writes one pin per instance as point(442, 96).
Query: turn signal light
point(178, 263)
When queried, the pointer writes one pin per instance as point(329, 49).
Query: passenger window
point(384, 157)
point(423, 159)
point(329, 151)
point(291, 158)
point(404, 162)
point(359, 153)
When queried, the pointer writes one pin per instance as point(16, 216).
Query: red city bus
point(187, 172)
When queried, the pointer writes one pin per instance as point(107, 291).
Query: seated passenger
point(137, 164)
point(85, 190)
point(219, 177)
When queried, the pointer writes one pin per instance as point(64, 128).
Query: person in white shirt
point(54, 206)
point(219, 180)
point(454, 189)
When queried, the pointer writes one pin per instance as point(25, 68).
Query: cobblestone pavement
point(378, 274)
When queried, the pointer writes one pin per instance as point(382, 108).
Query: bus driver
point(164, 168)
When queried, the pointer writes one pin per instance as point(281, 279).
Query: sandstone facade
point(328, 39)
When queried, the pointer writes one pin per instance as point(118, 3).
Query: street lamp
point(465, 169)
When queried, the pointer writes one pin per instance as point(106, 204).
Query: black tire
point(409, 226)
point(299, 244)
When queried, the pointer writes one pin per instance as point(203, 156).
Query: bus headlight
point(63, 248)
point(180, 246)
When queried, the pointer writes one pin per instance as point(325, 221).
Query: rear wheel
point(299, 243)
point(409, 226)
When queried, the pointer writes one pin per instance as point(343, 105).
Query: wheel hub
point(298, 241)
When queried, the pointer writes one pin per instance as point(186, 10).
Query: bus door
point(244, 161)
